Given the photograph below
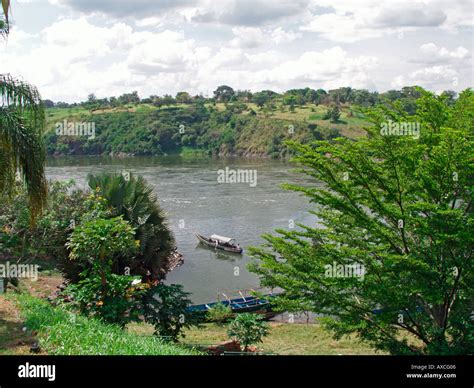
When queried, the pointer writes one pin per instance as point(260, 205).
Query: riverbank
point(29, 324)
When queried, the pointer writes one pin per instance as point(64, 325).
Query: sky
point(71, 48)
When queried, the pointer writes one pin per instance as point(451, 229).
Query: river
point(194, 200)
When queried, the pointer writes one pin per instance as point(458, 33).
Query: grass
point(61, 332)
point(283, 339)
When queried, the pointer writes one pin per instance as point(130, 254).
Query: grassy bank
point(61, 332)
point(283, 339)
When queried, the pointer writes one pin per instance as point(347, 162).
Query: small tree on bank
point(392, 258)
point(248, 329)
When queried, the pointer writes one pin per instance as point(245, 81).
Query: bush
point(248, 329)
point(219, 313)
point(120, 305)
point(166, 308)
point(100, 292)
point(333, 113)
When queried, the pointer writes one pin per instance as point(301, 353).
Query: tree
point(392, 260)
point(333, 113)
point(21, 135)
point(450, 96)
point(183, 98)
point(134, 199)
point(96, 241)
point(224, 93)
point(100, 292)
point(260, 99)
point(291, 101)
point(166, 307)
point(248, 329)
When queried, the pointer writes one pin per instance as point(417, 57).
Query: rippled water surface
point(195, 202)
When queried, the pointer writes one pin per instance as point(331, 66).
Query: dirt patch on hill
point(13, 338)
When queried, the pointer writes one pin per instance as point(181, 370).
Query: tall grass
point(62, 332)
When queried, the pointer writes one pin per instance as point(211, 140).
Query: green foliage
point(46, 241)
point(400, 206)
point(97, 240)
point(22, 149)
point(248, 329)
point(166, 308)
point(219, 313)
point(333, 113)
point(62, 332)
point(224, 93)
point(100, 292)
point(119, 305)
point(134, 199)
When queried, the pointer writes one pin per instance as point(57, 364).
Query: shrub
point(120, 305)
point(219, 313)
point(248, 329)
point(166, 308)
point(100, 292)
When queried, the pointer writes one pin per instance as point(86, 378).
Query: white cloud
point(351, 21)
point(328, 68)
point(433, 77)
point(430, 53)
point(252, 37)
point(198, 45)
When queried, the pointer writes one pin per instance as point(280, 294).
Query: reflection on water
point(196, 203)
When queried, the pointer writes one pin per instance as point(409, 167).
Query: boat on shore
point(242, 304)
point(215, 241)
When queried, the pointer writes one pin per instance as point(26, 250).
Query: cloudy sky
point(70, 48)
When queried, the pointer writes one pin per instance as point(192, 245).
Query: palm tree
point(21, 135)
point(4, 20)
point(134, 199)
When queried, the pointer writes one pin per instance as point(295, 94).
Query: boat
point(238, 305)
point(215, 241)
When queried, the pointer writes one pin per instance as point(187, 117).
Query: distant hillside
point(220, 129)
point(229, 123)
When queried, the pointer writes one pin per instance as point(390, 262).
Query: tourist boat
point(215, 241)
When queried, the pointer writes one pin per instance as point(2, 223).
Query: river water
point(196, 202)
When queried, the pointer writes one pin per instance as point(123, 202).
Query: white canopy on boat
point(222, 238)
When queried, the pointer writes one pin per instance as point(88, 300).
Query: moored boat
point(215, 241)
point(238, 305)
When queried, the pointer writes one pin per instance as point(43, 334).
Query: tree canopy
point(397, 205)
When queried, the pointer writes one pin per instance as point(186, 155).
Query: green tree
point(333, 113)
point(248, 329)
point(183, 98)
point(166, 307)
point(133, 198)
point(224, 93)
point(400, 208)
point(260, 99)
point(290, 100)
point(97, 240)
point(21, 135)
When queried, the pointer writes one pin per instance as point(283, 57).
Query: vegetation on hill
point(230, 123)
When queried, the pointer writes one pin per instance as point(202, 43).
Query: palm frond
point(21, 140)
point(136, 200)
point(4, 22)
